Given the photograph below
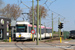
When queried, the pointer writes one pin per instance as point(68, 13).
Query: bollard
point(50, 34)
point(9, 36)
point(31, 36)
point(60, 39)
point(9, 39)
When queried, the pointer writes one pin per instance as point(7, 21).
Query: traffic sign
point(32, 31)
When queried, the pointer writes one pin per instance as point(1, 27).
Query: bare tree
point(43, 13)
point(1, 2)
point(11, 11)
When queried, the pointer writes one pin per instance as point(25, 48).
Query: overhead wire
point(52, 2)
point(43, 4)
point(52, 10)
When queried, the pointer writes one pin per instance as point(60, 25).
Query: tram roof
point(22, 22)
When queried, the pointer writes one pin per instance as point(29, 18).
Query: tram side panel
point(42, 32)
point(48, 32)
point(30, 28)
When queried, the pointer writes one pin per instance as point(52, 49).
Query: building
point(4, 27)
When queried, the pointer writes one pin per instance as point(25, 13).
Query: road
point(32, 46)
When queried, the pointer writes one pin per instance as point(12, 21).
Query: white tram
point(23, 31)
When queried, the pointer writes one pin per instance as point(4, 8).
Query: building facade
point(4, 27)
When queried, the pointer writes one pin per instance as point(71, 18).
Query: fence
point(66, 34)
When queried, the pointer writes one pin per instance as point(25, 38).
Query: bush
point(5, 40)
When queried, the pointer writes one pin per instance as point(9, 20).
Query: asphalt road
point(33, 46)
point(29, 45)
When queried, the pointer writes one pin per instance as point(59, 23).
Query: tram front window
point(72, 32)
point(22, 28)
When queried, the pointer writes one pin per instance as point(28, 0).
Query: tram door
point(1, 32)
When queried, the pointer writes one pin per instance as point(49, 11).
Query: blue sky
point(64, 7)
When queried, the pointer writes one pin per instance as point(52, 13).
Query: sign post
point(9, 34)
point(60, 26)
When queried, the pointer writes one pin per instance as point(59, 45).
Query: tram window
point(42, 31)
point(30, 28)
point(22, 28)
point(35, 29)
point(72, 31)
point(49, 30)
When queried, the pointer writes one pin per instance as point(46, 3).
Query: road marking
point(66, 42)
point(2, 42)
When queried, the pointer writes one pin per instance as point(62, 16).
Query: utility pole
point(33, 17)
point(40, 24)
point(52, 25)
point(37, 22)
point(58, 28)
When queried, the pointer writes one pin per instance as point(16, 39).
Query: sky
point(65, 9)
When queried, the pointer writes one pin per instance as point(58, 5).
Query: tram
point(72, 34)
point(23, 31)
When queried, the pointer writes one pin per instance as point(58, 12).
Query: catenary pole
point(33, 17)
point(37, 22)
point(52, 25)
point(40, 24)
